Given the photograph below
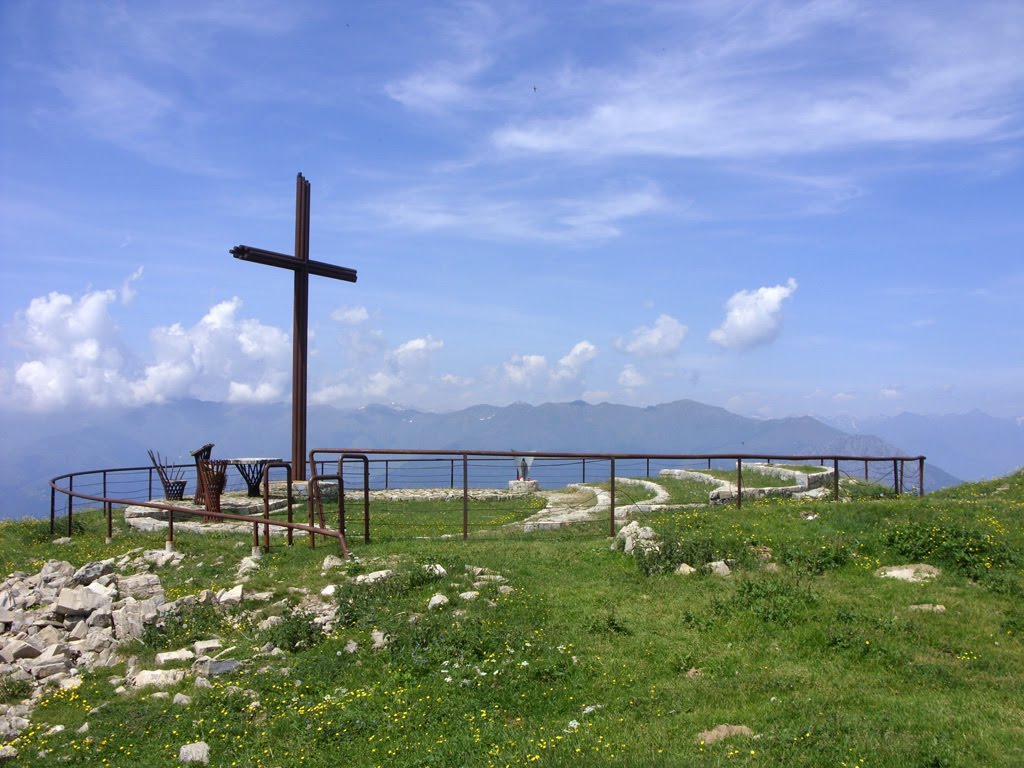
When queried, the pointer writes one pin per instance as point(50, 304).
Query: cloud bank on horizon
point(775, 207)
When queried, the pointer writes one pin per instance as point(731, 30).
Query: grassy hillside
point(584, 655)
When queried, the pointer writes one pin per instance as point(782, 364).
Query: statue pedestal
point(522, 486)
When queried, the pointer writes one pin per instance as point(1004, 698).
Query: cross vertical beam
point(300, 328)
point(303, 267)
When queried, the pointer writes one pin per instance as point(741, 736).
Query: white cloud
point(748, 83)
point(891, 393)
point(631, 378)
point(76, 356)
point(350, 315)
point(525, 370)
point(416, 351)
point(753, 317)
point(843, 397)
point(587, 218)
point(660, 340)
point(128, 291)
point(571, 366)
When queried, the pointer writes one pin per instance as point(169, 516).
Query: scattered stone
point(373, 578)
point(633, 538)
point(332, 561)
point(914, 573)
point(380, 640)
point(197, 752)
point(437, 601)
point(203, 647)
point(928, 608)
point(158, 678)
point(506, 590)
point(270, 622)
point(718, 568)
point(329, 590)
point(723, 731)
point(435, 569)
point(140, 586)
point(694, 673)
point(181, 700)
point(247, 565)
point(351, 646)
point(231, 596)
point(7, 752)
point(685, 569)
point(172, 656)
point(208, 666)
point(80, 601)
point(89, 572)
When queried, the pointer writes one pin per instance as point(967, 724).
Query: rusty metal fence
point(467, 476)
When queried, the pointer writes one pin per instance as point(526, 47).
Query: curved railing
point(391, 468)
point(109, 502)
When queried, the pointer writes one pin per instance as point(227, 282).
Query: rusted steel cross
point(301, 265)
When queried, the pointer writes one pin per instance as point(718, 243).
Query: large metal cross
point(301, 265)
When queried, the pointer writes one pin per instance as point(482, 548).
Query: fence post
point(71, 500)
point(648, 468)
point(903, 466)
point(465, 495)
point(920, 475)
point(835, 479)
point(366, 500)
point(109, 509)
point(150, 484)
point(53, 510)
point(387, 470)
point(584, 471)
point(452, 467)
point(739, 483)
point(865, 470)
point(895, 477)
point(611, 505)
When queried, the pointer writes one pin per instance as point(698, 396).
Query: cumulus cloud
point(75, 355)
point(891, 393)
point(630, 377)
point(660, 340)
point(415, 351)
point(571, 366)
point(753, 317)
point(525, 370)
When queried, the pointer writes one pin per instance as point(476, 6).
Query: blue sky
point(779, 207)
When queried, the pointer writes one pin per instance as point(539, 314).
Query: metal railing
point(386, 469)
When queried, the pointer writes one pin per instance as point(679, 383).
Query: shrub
point(776, 599)
point(968, 549)
point(298, 630)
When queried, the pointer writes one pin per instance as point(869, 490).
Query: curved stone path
point(581, 503)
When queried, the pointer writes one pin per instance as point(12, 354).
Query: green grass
point(751, 478)
point(807, 469)
point(628, 493)
point(685, 490)
point(587, 661)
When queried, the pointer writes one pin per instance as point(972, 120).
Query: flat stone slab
point(915, 572)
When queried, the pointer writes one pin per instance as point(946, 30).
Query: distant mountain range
point(35, 448)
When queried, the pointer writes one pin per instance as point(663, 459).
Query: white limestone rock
point(197, 752)
point(436, 602)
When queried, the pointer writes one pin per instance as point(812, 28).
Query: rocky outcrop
point(61, 621)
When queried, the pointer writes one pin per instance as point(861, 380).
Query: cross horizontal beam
point(320, 268)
